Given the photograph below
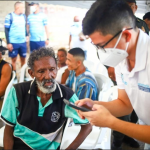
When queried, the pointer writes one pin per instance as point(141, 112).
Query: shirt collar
point(55, 95)
point(141, 53)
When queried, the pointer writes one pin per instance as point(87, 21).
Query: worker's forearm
point(139, 132)
point(116, 107)
point(84, 132)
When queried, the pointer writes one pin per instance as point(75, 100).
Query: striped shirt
point(37, 23)
point(85, 85)
point(17, 25)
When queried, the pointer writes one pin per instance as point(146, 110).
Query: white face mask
point(32, 9)
point(113, 56)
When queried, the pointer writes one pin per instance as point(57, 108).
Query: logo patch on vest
point(55, 116)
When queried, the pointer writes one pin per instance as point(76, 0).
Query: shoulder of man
point(66, 92)
point(142, 25)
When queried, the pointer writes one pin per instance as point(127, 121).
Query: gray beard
point(48, 89)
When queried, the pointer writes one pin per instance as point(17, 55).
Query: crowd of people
point(34, 112)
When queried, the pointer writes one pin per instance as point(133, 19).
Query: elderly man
point(123, 46)
point(34, 111)
point(80, 79)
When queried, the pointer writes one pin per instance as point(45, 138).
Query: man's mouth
point(48, 83)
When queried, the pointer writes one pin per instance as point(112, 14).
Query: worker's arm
point(8, 137)
point(101, 117)
point(119, 107)
point(5, 78)
point(84, 132)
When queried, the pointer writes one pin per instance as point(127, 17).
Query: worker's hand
point(99, 116)
point(47, 42)
point(111, 73)
point(10, 47)
point(88, 103)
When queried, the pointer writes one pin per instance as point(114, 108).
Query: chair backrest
point(22, 73)
point(104, 84)
point(89, 65)
point(100, 69)
point(9, 86)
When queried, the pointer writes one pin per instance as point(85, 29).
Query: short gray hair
point(40, 53)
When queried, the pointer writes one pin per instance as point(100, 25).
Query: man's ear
point(79, 62)
point(128, 35)
point(31, 73)
point(136, 7)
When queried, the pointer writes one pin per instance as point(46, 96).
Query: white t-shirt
point(137, 82)
point(60, 73)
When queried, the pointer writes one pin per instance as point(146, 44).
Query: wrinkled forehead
point(45, 62)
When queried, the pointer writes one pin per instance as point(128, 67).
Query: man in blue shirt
point(80, 79)
point(15, 31)
point(37, 27)
point(34, 111)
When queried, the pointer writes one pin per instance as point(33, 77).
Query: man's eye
point(52, 69)
point(41, 71)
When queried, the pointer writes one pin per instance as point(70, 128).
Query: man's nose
point(48, 74)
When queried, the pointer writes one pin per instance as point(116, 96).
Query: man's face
point(99, 39)
point(21, 9)
point(45, 71)
point(71, 62)
point(133, 6)
point(148, 23)
point(61, 57)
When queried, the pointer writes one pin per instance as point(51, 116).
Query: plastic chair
point(104, 83)
point(71, 132)
point(89, 65)
point(22, 73)
point(111, 94)
point(5, 96)
point(100, 69)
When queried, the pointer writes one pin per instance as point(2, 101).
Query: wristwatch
point(48, 39)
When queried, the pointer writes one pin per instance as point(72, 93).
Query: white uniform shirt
point(137, 82)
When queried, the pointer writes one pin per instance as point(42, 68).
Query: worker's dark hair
point(146, 16)
point(108, 17)
point(63, 50)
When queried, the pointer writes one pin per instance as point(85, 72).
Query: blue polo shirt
point(17, 28)
point(37, 23)
point(35, 125)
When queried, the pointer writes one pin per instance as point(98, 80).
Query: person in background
point(5, 73)
point(76, 38)
point(34, 111)
point(146, 18)
point(123, 46)
point(16, 35)
point(37, 27)
point(63, 72)
point(80, 79)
